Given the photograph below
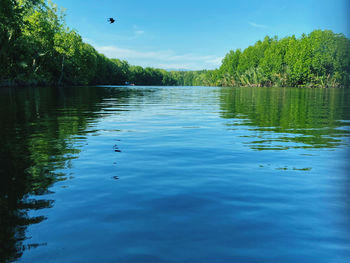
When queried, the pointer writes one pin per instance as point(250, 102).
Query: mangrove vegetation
point(38, 48)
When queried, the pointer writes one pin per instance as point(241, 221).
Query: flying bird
point(111, 20)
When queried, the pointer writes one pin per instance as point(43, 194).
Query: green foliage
point(12, 13)
point(320, 59)
point(37, 47)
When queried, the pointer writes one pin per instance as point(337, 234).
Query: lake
point(174, 174)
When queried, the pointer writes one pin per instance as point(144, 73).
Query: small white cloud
point(139, 32)
point(161, 59)
point(171, 66)
point(123, 53)
point(257, 25)
point(216, 61)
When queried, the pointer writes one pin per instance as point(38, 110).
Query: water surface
point(174, 174)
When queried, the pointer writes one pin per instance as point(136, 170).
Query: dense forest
point(37, 48)
point(320, 59)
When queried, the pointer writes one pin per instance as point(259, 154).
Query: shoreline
point(35, 83)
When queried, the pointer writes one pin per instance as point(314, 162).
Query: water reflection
point(42, 130)
point(177, 167)
point(285, 118)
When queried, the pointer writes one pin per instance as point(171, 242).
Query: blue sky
point(195, 34)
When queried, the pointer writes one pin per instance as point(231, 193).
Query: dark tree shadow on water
point(284, 118)
point(38, 135)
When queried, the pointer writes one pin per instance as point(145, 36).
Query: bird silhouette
point(111, 20)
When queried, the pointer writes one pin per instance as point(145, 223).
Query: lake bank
point(53, 53)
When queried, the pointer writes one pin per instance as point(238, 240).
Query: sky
point(195, 34)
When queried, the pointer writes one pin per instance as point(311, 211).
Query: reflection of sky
point(187, 180)
point(193, 34)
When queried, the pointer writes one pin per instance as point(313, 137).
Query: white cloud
point(132, 33)
point(122, 53)
point(257, 25)
point(174, 66)
point(216, 61)
point(139, 32)
point(161, 59)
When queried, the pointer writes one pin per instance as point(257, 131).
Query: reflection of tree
point(37, 137)
point(307, 117)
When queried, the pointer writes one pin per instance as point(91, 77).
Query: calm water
point(173, 174)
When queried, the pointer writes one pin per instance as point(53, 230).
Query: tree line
point(319, 59)
point(38, 48)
